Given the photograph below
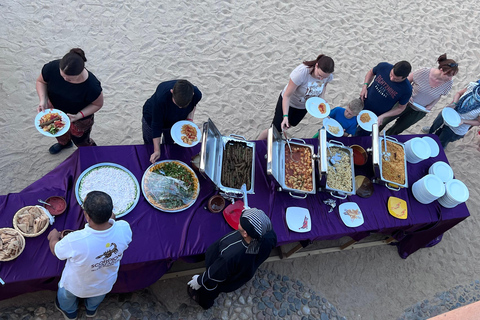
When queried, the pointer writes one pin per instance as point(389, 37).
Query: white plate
point(435, 150)
point(333, 123)
point(298, 219)
point(113, 179)
point(176, 133)
point(451, 117)
point(442, 170)
point(350, 221)
point(312, 107)
point(457, 190)
point(367, 126)
point(420, 107)
point(62, 114)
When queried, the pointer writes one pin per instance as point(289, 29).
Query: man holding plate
point(173, 101)
point(389, 87)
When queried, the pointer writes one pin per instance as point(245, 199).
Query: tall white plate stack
point(442, 170)
point(456, 193)
point(416, 150)
point(428, 189)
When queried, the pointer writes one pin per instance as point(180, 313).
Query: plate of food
point(351, 214)
point(366, 119)
point(451, 117)
point(52, 122)
point(31, 221)
point(186, 133)
point(115, 180)
point(298, 219)
point(13, 244)
point(333, 127)
point(317, 107)
point(420, 107)
point(170, 186)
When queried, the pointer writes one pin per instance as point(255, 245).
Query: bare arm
point(53, 238)
point(475, 122)
point(41, 87)
point(394, 112)
point(368, 78)
point(88, 110)
point(291, 87)
point(156, 149)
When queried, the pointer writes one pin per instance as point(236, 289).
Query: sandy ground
point(240, 54)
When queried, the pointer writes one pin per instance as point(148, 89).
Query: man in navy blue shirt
point(389, 87)
point(173, 101)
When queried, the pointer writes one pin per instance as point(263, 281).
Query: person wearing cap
point(233, 260)
point(173, 101)
point(386, 91)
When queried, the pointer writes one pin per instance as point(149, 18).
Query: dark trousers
point(79, 133)
point(444, 133)
point(405, 120)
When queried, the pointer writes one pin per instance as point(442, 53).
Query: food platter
point(451, 117)
point(420, 107)
point(115, 180)
point(333, 127)
point(366, 125)
point(65, 119)
point(170, 186)
point(13, 244)
point(182, 129)
point(31, 221)
point(313, 106)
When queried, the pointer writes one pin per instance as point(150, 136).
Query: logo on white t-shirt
point(109, 258)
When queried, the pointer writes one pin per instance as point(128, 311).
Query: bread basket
point(21, 240)
point(24, 209)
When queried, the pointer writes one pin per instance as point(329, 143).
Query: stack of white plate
point(434, 148)
point(417, 149)
point(456, 193)
point(442, 170)
point(428, 189)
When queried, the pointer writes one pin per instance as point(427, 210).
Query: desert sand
point(240, 55)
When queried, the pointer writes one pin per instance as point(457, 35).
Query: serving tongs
point(385, 154)
point(289, 147)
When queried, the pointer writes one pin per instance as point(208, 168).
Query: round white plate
point(298, 219)
point(442, 170)
point(457, 190)
point(451, 117)
point(333, 123)
point(312, 107)
point(434, 185)
point(350, 221)
point(420, 148)
point(420, 107)
point(367, 126)
point(62, 114)
point(435, 150)
point(176, 132)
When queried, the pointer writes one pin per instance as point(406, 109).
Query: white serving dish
point(298, 219)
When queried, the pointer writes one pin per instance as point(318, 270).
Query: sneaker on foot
point(66, 315)
point(57, 147)
point(425, 129)
point(91, 314)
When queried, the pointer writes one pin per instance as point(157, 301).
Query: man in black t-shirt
point(173, 101)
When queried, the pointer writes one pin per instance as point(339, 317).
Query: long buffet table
point(160, 238)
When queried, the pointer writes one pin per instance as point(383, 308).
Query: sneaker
point(66, 315)
point(57, 147)
point(425, 129)
point(91, 314)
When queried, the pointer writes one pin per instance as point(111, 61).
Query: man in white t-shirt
point(93, 256)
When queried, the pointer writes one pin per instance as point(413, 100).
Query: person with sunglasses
point(467, 103)
point(307, 80)
point(429, 85)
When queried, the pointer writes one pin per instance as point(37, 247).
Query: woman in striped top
point(428, 86)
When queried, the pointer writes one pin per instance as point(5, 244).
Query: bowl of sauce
point(57, 206)
point(216, 204)
point(359, 155)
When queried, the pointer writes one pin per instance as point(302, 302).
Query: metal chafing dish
point(276, 162)
point(377, 159)
point(327, 165)
point(211, 157)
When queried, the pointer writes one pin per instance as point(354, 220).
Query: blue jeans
point(444, 133)
point(69, 302)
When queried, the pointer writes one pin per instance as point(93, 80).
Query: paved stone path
point(267, 296)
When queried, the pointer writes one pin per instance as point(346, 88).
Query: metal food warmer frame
point(211, 158)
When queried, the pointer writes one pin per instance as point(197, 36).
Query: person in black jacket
point(233, 260)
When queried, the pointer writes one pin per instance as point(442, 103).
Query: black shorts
point(294, 115)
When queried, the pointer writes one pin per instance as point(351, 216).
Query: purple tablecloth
point(160, 238)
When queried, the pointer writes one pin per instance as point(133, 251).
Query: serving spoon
point(41, 201)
